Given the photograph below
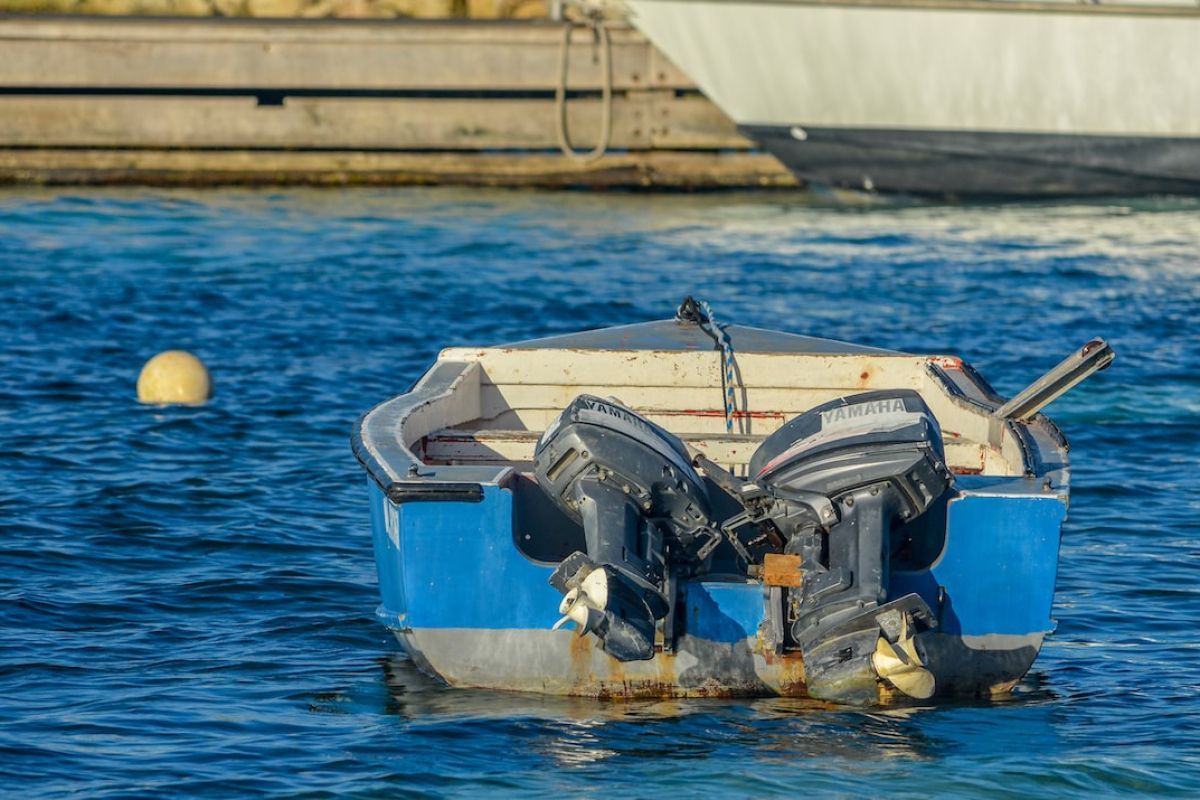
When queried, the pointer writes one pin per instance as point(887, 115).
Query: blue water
point(186, 595)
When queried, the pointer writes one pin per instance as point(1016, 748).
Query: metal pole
point(1088, 360)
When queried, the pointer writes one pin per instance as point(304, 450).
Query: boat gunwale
point(378, 444)
point(1034, 447)
point(378, 441)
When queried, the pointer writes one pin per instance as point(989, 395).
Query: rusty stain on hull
point(562, 663)
point(595, 674)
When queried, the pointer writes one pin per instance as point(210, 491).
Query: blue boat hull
point(470, 608)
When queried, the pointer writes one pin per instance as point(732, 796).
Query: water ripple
point(186, 595)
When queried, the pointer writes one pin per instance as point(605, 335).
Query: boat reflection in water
point(578, 732)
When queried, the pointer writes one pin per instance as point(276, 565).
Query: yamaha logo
point(843, 413)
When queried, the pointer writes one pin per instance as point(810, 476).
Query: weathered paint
point(559, 662)
point(723, 612)
point(717, 412)
point(946, 362)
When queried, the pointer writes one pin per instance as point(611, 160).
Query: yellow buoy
point(175, 376)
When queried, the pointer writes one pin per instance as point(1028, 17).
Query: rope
point(601, 36)
point(727, 373)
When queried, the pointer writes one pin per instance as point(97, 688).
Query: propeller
point(584, 605)
point(899, 664)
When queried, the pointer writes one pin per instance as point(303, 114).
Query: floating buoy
point(174, 376)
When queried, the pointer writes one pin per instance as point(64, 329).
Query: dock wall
point(347, 9)
point(216, 101)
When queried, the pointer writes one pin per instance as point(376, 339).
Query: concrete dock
point(110, 100)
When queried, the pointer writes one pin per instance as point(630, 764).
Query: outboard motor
point(840, 482)
point(644, 512)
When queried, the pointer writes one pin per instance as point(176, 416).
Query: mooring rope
point(601, 36)
point(727, 373)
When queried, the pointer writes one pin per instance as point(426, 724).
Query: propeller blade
point(900, 665)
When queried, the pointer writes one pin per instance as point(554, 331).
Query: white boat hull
point(968, 97)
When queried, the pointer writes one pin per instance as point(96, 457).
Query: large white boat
point(953, 97)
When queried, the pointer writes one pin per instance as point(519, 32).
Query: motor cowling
point(878, 458)
point(632, 487)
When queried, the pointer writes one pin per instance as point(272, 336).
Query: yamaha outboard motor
point(846, 483)
point(632, 486)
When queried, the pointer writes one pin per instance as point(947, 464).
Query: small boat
point(952, 97)
point(682, 508)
